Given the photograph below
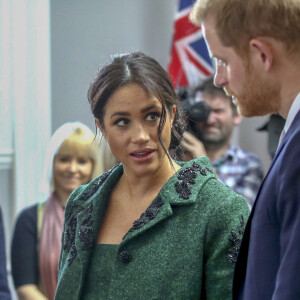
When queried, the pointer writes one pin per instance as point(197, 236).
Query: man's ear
point(100, 127)
point(262, 50)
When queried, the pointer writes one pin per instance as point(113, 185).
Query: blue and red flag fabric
point(190, 62)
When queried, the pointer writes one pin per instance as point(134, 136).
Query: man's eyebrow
point(218, 57)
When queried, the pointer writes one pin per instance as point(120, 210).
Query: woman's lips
point(72, 178)
point(142, 155)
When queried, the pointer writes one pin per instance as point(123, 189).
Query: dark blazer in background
point(4, 291)
point(268, 265)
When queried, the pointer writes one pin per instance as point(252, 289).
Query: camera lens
point(199, 111)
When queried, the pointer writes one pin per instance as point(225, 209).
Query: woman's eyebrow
point(150, 107)
point(120, 113)
point(125, 113)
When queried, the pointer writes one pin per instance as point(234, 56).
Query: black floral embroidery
point(86, 230)
point(73, 254)
point(69, 244)
point(187, 177)
point(91, 191)
point(150, 213)
point(183, 189)
point(236, 240)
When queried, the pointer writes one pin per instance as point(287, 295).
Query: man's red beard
point(259, 95)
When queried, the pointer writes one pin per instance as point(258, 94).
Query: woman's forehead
point(73, 148)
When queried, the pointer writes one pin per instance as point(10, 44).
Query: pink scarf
point(50, 245)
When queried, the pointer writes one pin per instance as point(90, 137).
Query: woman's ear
point(174, 108)
point(100, 127)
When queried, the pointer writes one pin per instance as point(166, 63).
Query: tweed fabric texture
point(183, 246)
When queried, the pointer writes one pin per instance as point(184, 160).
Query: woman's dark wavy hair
point(138, 68)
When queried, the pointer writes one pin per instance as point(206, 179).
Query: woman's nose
point(140, 134)
point(73, 166)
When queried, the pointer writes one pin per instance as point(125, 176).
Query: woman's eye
point(153, 116)
point(122, 122)
point(82, 161)
point(64, 159)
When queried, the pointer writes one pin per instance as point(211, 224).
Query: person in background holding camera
point(241, 171)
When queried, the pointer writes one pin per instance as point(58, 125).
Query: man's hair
point(238, 21)
point(207, 87)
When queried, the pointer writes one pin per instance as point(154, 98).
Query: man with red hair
point(256, 46)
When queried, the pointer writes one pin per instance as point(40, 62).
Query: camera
point(195, 110)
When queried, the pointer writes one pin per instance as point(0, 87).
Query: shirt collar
point(228, 155)
point(292, 113)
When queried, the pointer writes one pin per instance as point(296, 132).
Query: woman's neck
point(62, 196)
point(139, 186)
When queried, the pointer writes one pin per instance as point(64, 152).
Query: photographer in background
point(211, 137)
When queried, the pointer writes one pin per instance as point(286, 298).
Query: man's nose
point(211, 118)
point(220, 78)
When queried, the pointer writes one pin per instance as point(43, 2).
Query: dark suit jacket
point(268, 265)
point(4, 291)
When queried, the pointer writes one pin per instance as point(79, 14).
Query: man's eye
point(153, 116)
point(220, 62)
point(218, 111)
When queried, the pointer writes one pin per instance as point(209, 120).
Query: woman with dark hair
point(152, 227)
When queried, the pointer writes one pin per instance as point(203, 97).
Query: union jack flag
point(190, 62)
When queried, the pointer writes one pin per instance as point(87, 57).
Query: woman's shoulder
point(26, 221)
point(209, 190)
point(29, 212)
point(85, 192)
point(184, 186)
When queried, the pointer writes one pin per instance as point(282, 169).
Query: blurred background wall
point(85, 33)
point(49, 53)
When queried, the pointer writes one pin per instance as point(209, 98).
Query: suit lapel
point(178, 191)
point(241, 265)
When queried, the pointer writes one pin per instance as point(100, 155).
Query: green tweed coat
point(184, 246)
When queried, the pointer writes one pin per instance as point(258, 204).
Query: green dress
point(184, 246)
point(96, 285)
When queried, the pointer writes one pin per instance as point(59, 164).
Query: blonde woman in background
point(72, 160)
